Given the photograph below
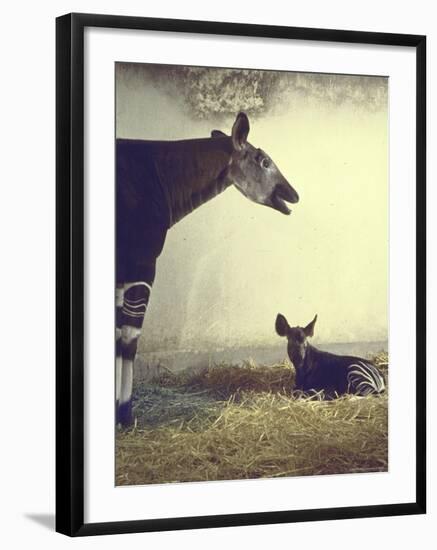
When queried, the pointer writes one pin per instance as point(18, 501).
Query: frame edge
point(70, 264)
point(69, 276)
point(421, 274)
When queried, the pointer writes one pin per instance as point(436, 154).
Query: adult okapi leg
point(135, 300)
point(119, 292)
point(138, 247)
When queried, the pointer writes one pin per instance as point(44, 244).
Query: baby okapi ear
point(218, 134)
point(309, 329)
point(281, 325)
point(240, 131)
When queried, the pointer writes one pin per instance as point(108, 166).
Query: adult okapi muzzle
point(325, 372)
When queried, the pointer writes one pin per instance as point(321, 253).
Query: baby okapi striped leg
point(135, 300)
point(365, 379)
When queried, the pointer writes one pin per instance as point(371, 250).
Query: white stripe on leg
point(118, 371)
point(119, 293)
point(127, 373)
point(127, 286)
point(129, 334)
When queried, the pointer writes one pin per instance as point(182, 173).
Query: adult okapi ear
point(240, 131)
point(309, 329)
point(281, 325)
point(218, 134)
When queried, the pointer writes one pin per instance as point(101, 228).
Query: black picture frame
point(70, 273)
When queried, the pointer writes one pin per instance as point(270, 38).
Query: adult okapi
point(322, 371)
point(158, 184)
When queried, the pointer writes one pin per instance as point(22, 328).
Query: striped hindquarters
point(364, 379)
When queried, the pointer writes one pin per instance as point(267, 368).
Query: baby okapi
point(322, 371)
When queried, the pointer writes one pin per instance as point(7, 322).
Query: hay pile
point(224, 380)
point(259, 431)
point(381, 361)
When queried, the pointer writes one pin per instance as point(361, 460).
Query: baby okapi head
point(297, 338)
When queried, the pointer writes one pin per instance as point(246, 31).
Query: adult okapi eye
point(265, 163)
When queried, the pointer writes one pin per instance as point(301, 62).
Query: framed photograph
point(240, 274)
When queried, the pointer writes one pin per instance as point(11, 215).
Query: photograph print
point(251, 291)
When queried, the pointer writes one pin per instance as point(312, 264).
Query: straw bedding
point(241, 422)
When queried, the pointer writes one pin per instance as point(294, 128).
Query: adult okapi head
point(297, 338)
point(254, 173)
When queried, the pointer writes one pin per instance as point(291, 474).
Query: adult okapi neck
point(192, 172)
